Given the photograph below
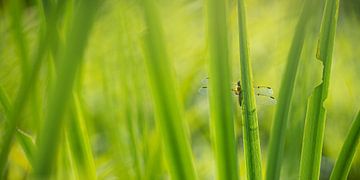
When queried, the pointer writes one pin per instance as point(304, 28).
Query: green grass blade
point(167, 105)
point(221, 110)
point(16, 11)
point(279, 126)
point(251, 140)
point(25, 140)
point(27, 144)
point(130, 104)
point(25, 90)
point(4, 100)
point(153, 167)
point(315, 117)
point(69, 61)
point(346, 156)
point(134, 140)
point(79, 141)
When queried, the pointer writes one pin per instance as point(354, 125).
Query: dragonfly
point(263, 94)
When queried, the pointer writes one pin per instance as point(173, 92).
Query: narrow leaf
point(251, 140)
point(279, 126)
point(316, 112)
point(79, 141)
point(166, 101)
point(346, 156)
point(69, 62)
point(27, 144)
point(221, 110)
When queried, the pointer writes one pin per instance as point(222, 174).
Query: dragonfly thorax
point(237, 89)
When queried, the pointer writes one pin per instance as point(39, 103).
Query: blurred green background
point(113, 93)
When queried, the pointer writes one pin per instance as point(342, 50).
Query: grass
point(221, 110)
point(279, 126)
point(22, 96)
point(347, 153)
point(79, 141)
point(168, 109)
point(316, 113)
point(250, 119)
point(69, 61)
point(109, 90)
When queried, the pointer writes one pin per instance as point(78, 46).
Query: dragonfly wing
point(204, 86)
point(265, 100)
point(263, 90)
point(203, 90)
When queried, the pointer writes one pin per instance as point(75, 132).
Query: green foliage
point(250, 119)
point(278, 131)
point(109, 90)
point(168, 109)
point(316, 112)
point(221, 110)
point(346, 156)
point(69, 61)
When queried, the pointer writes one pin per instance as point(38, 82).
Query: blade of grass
point(16, 12)
point(25, 90)
point(66, 168)
point(4, 100)
point(79, 142)
point(69, 61)
point(279, 125)
point(310, 73)
point(134, 140)
point(221, 110)
point(251, 139)
point(27, 144)
point(166, 100)
point(346, 156)
point(130, 96)
point(25, 140)
point(154, 162)
point(316, 113)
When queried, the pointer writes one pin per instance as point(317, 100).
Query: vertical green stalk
point(5, 101)
point(290, 163)
point(24, 139)
point(166, 100)
point(16, 13)
point(46, 36)
point(16, 8)
point(129, 109)
point(315, 117)
point(69, 61)
point(134, 140)
point(279, 126)
point(251, 140)
point(22, 95)
point(131, 104)
point(221, 110)
point(346, 156)
point(79, 141)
